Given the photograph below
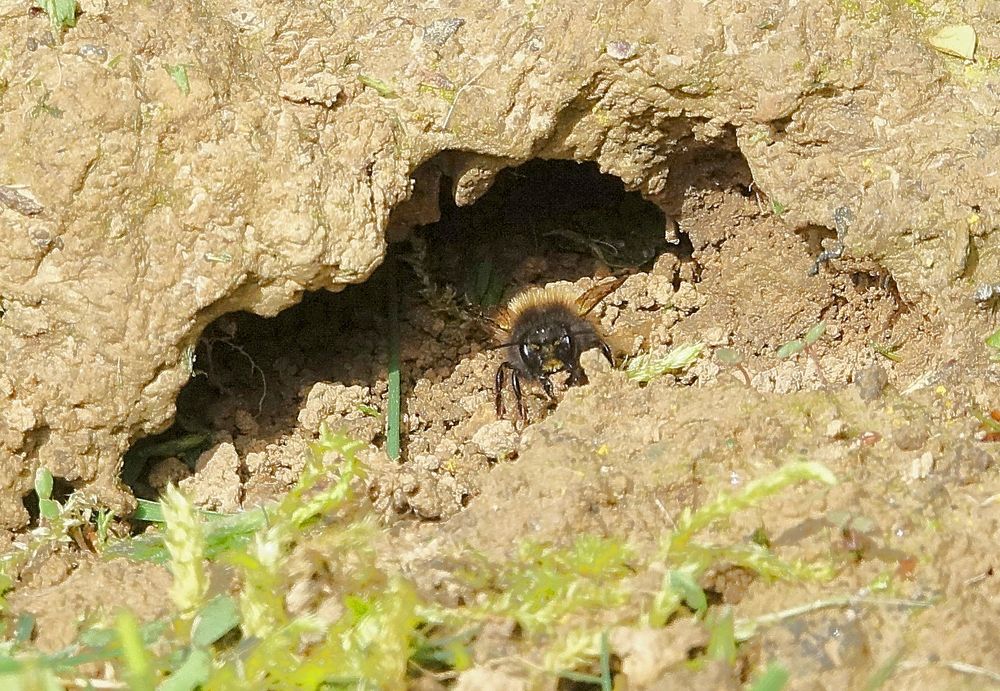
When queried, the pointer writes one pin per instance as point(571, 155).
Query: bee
point(543, 331)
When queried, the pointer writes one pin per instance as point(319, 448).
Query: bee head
point(547, 350)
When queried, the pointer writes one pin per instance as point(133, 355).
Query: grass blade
point(149, 511)
point(774, 678)
point(222, 534)
point(138, 662)
point(395, 395)
point(217, 618)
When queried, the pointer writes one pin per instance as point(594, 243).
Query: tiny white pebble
point(621, 50)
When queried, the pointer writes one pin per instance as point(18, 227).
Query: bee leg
point(547, 387)
point(516, 381)
point(606, 352)
point(498, 383)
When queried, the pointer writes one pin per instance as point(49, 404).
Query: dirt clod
point(871, 381)
point(216, 484)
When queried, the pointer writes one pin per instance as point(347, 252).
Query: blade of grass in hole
point(152, 512)
point(139, 456)
point(393, 414)
point(485, 284)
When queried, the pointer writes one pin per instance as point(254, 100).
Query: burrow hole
point(264, 386)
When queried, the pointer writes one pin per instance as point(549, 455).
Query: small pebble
point(871, 382)
point(621, 50)
point(922, 466)
point(910, 437)
point(92, 52)
point(439, 31)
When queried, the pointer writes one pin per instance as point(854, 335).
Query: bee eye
point(526, 352)
point(564, 341)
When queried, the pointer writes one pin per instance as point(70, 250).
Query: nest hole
point(264, 385)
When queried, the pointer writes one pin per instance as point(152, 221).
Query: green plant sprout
point(689, 560)
point(184, 538)
point(58, 524)
point(774, 678)
point(805, 344)
point(61, 13)
point(889, 351)
point(367, 410)
point(43, 106)
point(647, 367)
point(382, 88)
point(722, 637)
point(180, 76)
point(48, 508)
point(733, 359)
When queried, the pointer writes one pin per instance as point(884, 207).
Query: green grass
point(62, 13)
point(381, 87)
point(180, 76)
point(563, 598)
point(393, 418)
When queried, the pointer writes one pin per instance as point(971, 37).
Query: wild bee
point(544, 331)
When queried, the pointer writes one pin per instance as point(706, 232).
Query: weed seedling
point(381, 87)
point(889, 352)
point(804, 344)
point(773, 678)
point(728, 357)
point(43, 106)
point(62, 14)
point(564, 599)
point(180, 76)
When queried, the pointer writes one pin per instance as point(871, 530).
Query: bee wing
point(500, 323)
point(592, 297)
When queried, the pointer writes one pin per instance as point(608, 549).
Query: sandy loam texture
point(203, 219)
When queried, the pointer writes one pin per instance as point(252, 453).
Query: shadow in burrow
point(258, 380)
